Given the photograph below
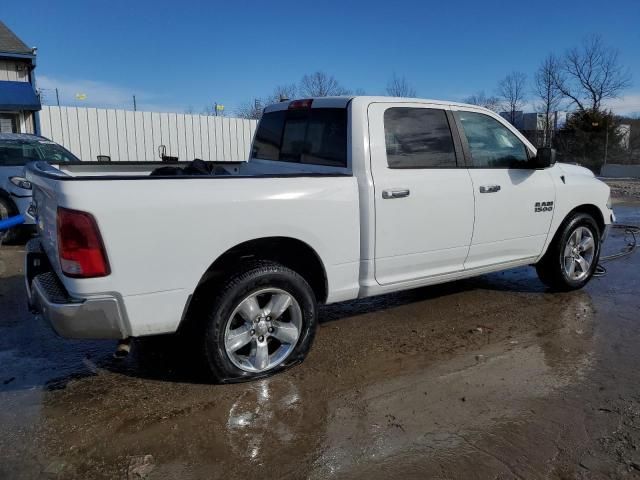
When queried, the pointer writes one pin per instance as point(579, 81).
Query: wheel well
point(593, 211)
point(4, 195)
point(290, 252)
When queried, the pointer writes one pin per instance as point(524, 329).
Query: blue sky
point(175, 55)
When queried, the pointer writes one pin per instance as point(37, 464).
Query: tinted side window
point(418, 138)
point(492, 145)
point(314, 136)
point(15, 153)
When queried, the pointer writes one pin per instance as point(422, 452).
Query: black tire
point(7, 210)
point(551, 269)
point(217, 313)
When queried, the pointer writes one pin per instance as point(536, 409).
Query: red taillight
point(306, 103)
point(80, 246)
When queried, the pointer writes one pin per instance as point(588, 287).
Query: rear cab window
point(311, 136)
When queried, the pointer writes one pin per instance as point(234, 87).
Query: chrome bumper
point(93, 317)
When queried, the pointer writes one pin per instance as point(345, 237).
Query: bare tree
point(399, 87)
point(591, 73)
point(482, 100)
point(319, 84)
point(282, 92)
point(253, 109)
point(250, 110)
point(512, 91)
point(547, 91)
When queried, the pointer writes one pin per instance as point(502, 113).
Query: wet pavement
point(486, 378)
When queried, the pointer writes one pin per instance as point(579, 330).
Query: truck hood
point(571, 169)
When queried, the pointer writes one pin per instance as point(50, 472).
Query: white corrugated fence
point(125, 135)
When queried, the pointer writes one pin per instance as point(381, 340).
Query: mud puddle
point(487, 378)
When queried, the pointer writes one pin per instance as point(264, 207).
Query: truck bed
point(161, 235)
point(143, 169)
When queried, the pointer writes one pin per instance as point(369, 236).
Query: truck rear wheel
point(573, 254)
point(263, 321)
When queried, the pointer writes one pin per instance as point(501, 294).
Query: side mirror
point(545, 157)
point(103, 158)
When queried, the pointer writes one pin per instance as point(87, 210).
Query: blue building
point(19, 102)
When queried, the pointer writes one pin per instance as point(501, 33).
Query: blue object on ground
point(11, 222)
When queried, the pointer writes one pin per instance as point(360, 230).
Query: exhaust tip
point(123, 349)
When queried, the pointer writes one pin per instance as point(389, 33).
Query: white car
point(342, 198)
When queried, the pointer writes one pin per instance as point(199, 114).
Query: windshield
point(21, 152)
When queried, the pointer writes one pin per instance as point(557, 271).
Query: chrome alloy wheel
point(263, 330)
point(579, 252)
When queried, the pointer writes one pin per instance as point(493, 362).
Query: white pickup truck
point(342, 198)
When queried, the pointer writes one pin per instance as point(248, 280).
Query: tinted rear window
point(313, 136)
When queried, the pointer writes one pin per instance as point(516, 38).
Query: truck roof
point(343, 101)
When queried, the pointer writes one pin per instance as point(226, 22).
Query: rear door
point(514, 202)
point(424, 206)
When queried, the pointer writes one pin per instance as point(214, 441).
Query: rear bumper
point(91, 317)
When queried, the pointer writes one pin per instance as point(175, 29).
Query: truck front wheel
point(573, 254)
point(262, 321)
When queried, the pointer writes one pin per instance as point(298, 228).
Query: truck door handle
point(489, 188)
point(395, 193)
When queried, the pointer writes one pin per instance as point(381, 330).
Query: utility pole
point(135, 107)
point(606, 140)
point(57, 97)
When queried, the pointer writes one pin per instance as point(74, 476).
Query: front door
point(424, 206)
point(514, 202)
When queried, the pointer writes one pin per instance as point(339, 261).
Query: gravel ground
point(624, 189)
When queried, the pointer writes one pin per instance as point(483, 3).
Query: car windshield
point(21, 152)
